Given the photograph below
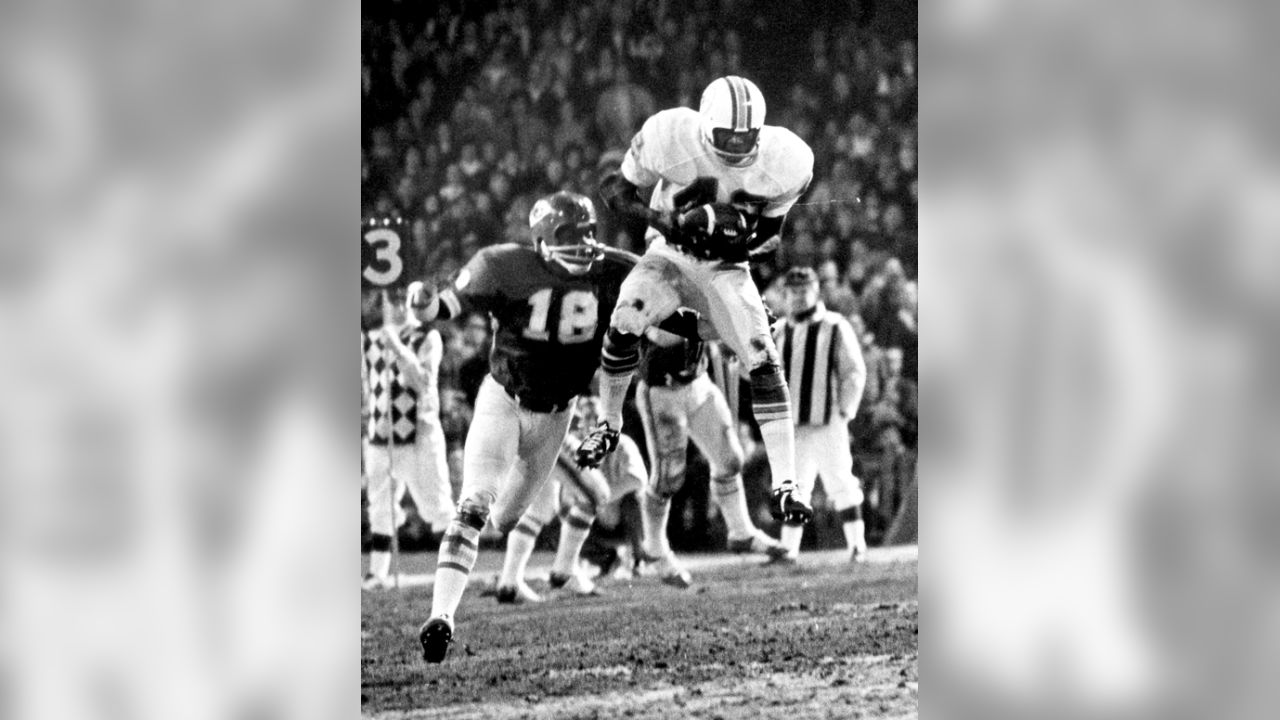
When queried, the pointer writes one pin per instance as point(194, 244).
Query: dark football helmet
point(732, 111)
point(563, 226)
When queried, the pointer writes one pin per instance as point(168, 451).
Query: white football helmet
point(732, 110)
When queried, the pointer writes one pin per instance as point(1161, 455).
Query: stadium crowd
point(474, 110)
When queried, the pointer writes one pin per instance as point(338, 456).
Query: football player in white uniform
point(722, 183)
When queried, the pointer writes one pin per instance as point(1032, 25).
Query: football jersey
point(670, 153)
point(550, 324)
point(396, 403)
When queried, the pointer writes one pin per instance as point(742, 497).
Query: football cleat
point(671, 572)
point(517, 594)
point(732, 110)
point(783, 559)
point(785, 508)
point(599, 443)
point(563, 226)
point(859, 553)
point(574, 583)
point(435, 638)
point(757, 543)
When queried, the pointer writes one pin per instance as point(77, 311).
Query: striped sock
point(458, 553)
point(732, 501)
point(618, 360)
point(520, 542)
point(771, 404)
point(575, 525)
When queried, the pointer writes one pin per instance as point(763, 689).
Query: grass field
point(822, 640)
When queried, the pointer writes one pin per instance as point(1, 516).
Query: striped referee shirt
point(823, 365)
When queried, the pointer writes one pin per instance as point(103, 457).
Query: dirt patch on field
point(820, 641)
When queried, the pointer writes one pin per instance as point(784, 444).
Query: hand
point(714, 231)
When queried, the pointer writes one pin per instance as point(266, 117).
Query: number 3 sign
point(385, 254)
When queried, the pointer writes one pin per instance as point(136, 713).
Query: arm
point(623, 197)
point(766, 235)
point(852, 369)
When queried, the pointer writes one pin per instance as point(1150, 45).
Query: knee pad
point(621, 353)
point(472, 514)
point(768, 386)
point(629, 318)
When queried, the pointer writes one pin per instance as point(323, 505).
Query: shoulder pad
point(668, 136)
point(788, 158)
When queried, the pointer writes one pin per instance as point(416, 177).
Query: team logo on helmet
point(732, 110)
point(563, 226)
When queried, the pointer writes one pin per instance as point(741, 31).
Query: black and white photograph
point(646, 414)
point(639, 341)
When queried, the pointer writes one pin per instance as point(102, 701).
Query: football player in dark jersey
point(679, 402)
point(550, 302)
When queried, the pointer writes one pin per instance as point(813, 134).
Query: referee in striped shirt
point(826, 375)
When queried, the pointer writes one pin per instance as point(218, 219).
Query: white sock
point(574, 528)
point(790, 538)
point(780, 446)
point(380, 563)
point(613, 394)
point(855, 533)
point(520, 542)
point(655, 510)
point(731, 498)
point(458, 553)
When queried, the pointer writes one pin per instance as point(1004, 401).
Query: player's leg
point(647, 297)
point(489, 453)
point(576, 518)
point(711, 427)
point(512, 587)
point(737, 313)
point(835, 466)
point(666, 429)
point(381, 519)
point(809, 450)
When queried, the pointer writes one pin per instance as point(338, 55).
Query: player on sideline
point(550, 301)
point(827, 376)
point(678, 402)
point(579, 494)
point(722, 183)
point(400, 364)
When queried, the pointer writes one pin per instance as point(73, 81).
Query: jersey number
point(386, 265)
point(706, 189)
point(578, 316)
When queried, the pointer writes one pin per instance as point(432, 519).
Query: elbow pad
point(622, 197)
